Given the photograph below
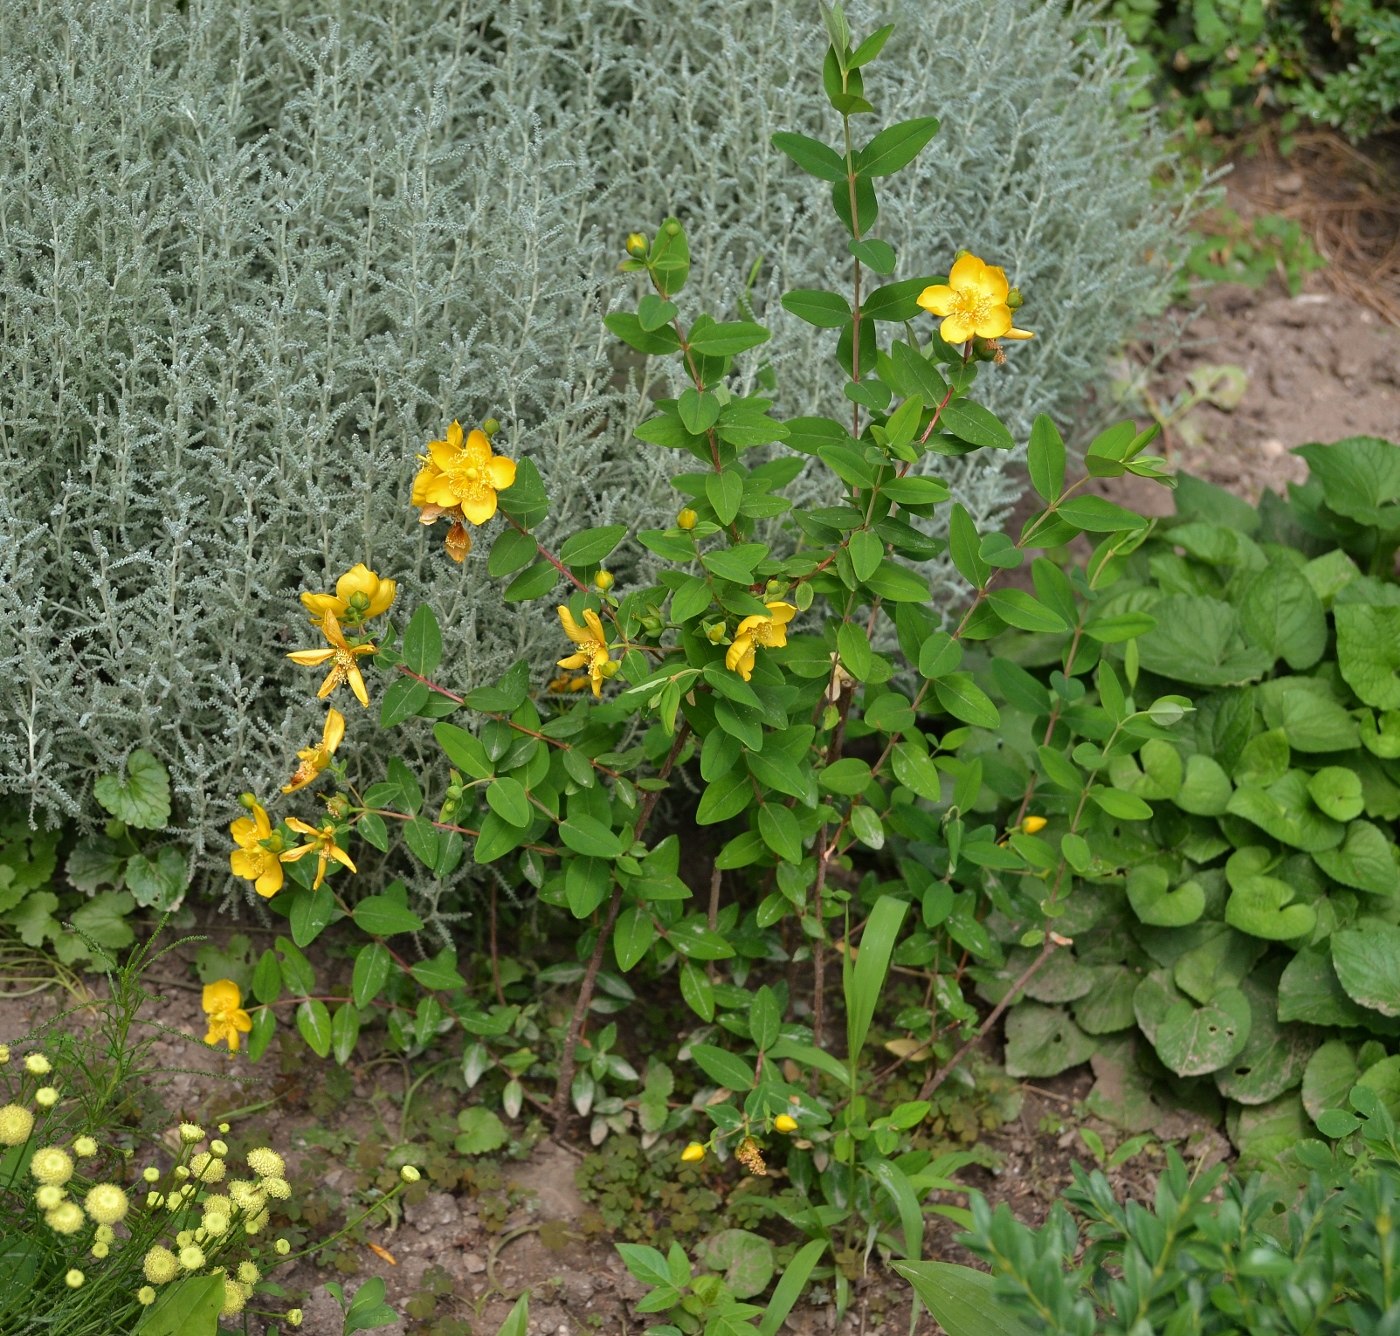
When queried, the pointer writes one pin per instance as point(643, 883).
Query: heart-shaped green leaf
point(1195, 1040)
point(1154, 903)
point(1365, 861)
point(1205, 788)
point(141, 795)
point(1260, 905)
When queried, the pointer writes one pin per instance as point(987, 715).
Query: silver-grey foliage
point(253, 256)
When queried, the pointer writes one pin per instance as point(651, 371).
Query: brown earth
point(1318, 366)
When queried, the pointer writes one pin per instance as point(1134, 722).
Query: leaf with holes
point(1044, 1041)
point(1193, 1041)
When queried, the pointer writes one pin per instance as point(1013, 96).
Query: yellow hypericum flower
point(343, 656)
point(1033, 825)
point(593, 652)
point(16, 1123)
point(463, 475)
point(693, 1153)
point(106, 1203)
point(972, 301)
point(604, 580)
point(51, 1165)
point(252, 860)
point(359, 595)
point(785, 1123)
point(770, 632)
point(321, 843)
point(312, 760)
point(223, 1004)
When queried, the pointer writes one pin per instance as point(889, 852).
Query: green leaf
point(312, 912)
point(590, 546)
point(140, 795)
point(895, 147)
point(697, 991)
point(481, 1132)
point(848, 776)
point(723, 1068)
point(853, 646)
point(966, 701)
point(1367, 961)
point(725, 492)
point(402, 700)
point(422, 642)
point(867, 552)
point(589, 836)
point(1259, 904)
point(780, 831)
point(864, 981)
point(897, 584)
point(1368, 652)
point(158, 882)
point(867, 826)
point(825, 310)
point(698, 410)
point(743, 1258)
point(1205, 787)
point(965, 548)
point(370, 974)
point(314, 1024)
point(1154, 904)
point(724, 339)
point(190, 1306)
point(970, 422)
point(1337, 792)
point(1044, 1041)
point(1366, 859)
point(1045, 459)
point(815, 158)
point(517, 1321)
point(1284, 810)
point(633, 935)
point(790, 1286)
point(1193, 1041)
point(1279, 610)
point(534, 582)
point(1123, 806)
point(382, 916)
point(877, 255)
point(1019, 609)
point(653, 312)
point(507, 798)
point(1199, 640)
point(939, 655)
point(345, 1032)
point(963, 1300)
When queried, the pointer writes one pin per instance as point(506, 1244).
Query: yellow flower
point(236, 1295)
point(312, 760)
point(693, 1153)
point(51, 1165)
point(84, 1148)
point(37, 1065)
point(16, 1123)
point(74, 1279)
point(770, 632)
point(359, 595)
point(604, 580)
point(294, 1317)
point(252, 860)
point(687, 519)
point(106, 1203)
point(46, 1096)
point(973, 301)
point(463, 475)
point(636, 245)
point(49, 1196)
point(266, 1162)
point(192, 1257)
point(223, 1004)
point(4, 1054)
point(1033, 825)
point(593, 651)
point(785, 1123)
point(65, 1218)
point(191, 1133)
point(322, 844)
point(159, 1265)
point(409, 1173)
point(343, 655)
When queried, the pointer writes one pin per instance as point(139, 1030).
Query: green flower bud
point(636, 245)
point(491, 426)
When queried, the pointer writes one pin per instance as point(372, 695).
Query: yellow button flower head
point(973, 301)
point(223, 1004)
point(145, 1296)
point(4, 1054)
point(49, 1196)
point(46, 1096)
point(160, 1265)
point(313, 760)
point(266, 1162)
point(106, 1203)
point(205, 1167)
point(593, 652)
point(36, 1064)
point(191, 1133)
point(236, 1295)
point(16, 1123)
point(463, 476)
point(252, 860)
point(84, 1147)
point(74, 1279)
point(359, 595)
point(322, 844)
point(191, 1257)
point(343, 657)
point(770, 632)
point(51, 1165)
point(409, 1173)
point(65, 1218)
point(294, 1317)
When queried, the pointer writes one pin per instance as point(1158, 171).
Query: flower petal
point(938, 299)
point(739, 658)
point(957, 328)
point(221, 995)
point(501, 472)
point(782, 613)
point(595, 627)
point(477, 450)
point(443, 455)
point(311, 658)
point(572, 629)
point(357, 685)
point(479, 509)
point(967, 272)
point(993, 323)
point(334, 730)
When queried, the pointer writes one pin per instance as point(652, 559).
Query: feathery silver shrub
point(253, 256)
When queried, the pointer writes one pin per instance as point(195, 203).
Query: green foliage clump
point(1254, 880)
point(1212, 1254)
point(250, 268)
point(1221, 62)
